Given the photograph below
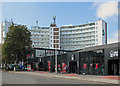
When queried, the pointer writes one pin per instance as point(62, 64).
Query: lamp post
point(55, 55)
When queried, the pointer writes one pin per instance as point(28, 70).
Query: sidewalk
point(94, 78)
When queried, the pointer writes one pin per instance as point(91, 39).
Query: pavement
point(93, 78)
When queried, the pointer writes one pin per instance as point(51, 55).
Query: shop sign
point(113, 53)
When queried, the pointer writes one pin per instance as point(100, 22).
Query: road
point(17, 78)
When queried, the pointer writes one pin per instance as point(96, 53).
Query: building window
point(103, 32)
point(56, 41)
point(56, 45)
point(56, 29)
point(56, 33)
point(56, 37)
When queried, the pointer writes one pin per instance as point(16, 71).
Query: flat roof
point(52, 49)
point(98, 47)
point(86, 49)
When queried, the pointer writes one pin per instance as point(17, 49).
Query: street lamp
point(56, 54)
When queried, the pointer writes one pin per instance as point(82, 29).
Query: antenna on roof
point(36, 22)
point(100, 19)
point(54, 18)
point(5, 19)
point(11, 20)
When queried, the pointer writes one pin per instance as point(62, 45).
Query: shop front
point(113, 67)
point(73, 62)
point(98, 60)
point(92, 62)
point(112, 60)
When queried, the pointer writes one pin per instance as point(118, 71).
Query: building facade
point(40, 36)
point(82, 36)
point(4, 29)
point(70, 37)
point(54, 42)
point(46, 37)
point(97, 60)
point(65, 37)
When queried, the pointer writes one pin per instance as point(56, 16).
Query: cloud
point(95, 4)
point(106, 9)
point(115, 38)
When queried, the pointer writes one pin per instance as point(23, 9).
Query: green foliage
point(16, 42)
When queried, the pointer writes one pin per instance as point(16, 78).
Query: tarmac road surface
point(17, 78)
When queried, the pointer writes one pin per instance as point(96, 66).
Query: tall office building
point(3, 30)
point(54, 36)
point(46, 37)
point(82, 36)
point(65, 37)
point(40, 37)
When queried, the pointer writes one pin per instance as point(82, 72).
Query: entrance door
point(113, 67)
point(73, 67)
point(40, 66)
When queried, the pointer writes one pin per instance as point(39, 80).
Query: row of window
point(78, 42)
point(37, 39)
point(36, 46)
point(32, 32)
point(87, 33)
point(78, 29)
point(76, 36)
point(40, 35)
point(40, 42)
point(80, 38)
point(77, 32)
point(92, 24)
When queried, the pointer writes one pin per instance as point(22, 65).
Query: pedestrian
point(6, 67)
point(96, 67)
point(84, 69)
point(103, 70)
point(14, 68)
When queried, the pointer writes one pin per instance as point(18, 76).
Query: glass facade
point(92, 62)
point(101, 60)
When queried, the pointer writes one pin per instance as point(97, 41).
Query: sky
point(66, 13)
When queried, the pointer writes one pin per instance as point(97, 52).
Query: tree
point(16, 42)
